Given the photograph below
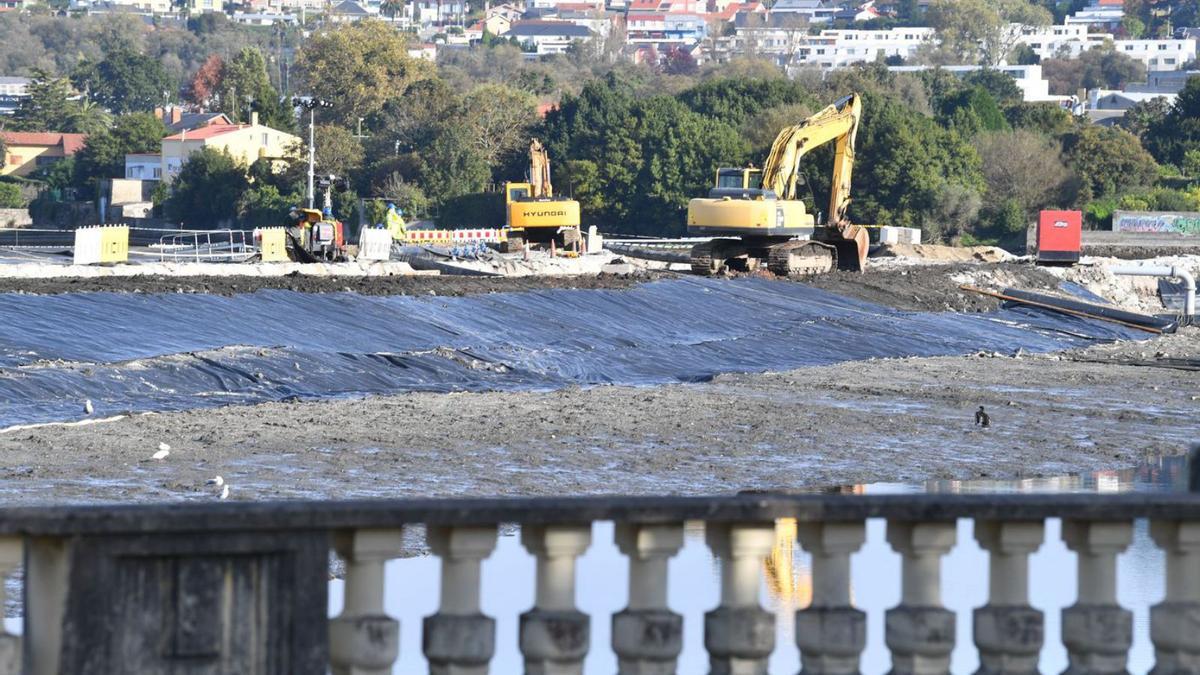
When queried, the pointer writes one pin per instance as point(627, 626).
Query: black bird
point(982, 419)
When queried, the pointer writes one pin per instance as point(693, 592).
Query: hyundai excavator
point(532, 212)
point(758, 215)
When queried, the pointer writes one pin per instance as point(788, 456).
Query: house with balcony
point(1158, 54)
point(1100, 14)
point(28, 151)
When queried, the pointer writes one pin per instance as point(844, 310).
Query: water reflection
point(508, 581)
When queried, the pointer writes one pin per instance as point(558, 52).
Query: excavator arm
point(539, 171)
point(836, 123)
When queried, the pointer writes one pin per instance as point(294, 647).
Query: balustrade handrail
point(182, 517)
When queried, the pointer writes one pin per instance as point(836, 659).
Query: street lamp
point(311, 103)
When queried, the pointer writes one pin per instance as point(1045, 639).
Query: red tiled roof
point(71, 143)
point(209, 131)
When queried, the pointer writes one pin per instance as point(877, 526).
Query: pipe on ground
point(1173, 271)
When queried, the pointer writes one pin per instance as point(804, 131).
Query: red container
point(1058, 237)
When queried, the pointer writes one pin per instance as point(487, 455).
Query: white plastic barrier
point(374, 244)
point(101, 244)
point(899, 235)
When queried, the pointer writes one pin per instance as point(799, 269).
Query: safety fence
point(226, 587)
point(208, 246)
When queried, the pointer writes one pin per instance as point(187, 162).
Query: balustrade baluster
point(831, 633)
point(920, 632)
point(554, 635)
point(11, 550)
point(647, 636)
point(1097, 632)
point(1008, 631)
point(363, 640)
point(739, 634)
point(1175, 622)
point(460, 639)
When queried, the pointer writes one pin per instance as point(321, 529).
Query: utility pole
point(311, 103)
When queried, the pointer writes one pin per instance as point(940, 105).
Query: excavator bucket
point(851, 243)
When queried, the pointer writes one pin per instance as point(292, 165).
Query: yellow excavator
point(532, 212)
point(758, 215)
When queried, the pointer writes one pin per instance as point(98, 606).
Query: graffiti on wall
point(1166, 222)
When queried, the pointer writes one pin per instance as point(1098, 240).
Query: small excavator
point(533, 214)
point(758, 215)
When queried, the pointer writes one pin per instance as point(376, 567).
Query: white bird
point(225, 492)
point(87, 407)
point(218, 481)
point(163, 451)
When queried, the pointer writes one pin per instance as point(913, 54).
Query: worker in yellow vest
point(395, 223)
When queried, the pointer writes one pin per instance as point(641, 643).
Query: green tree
point(1045, 118)
point(964, 27)
point(358, 67)
point(206, 192)
point(454, 166)
point(1025, 169)
point(912, 169)
point(500, 120)
point(125, 81)
point(52, 106)
point(972, 110)
point(264, 206)
point(103, 154)
point(10, 196)
point(338, 152)
point(1098, 68)
point(734, 101)
point(245, 87)
point(1145, 118)
point(1171, 136)
point(1108, 161)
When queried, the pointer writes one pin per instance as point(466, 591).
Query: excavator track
point(801, 258)
point(708, 258)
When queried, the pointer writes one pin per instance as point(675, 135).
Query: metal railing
point(206, 246)
point(220, 587)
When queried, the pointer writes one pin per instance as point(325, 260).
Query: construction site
point(777, 345)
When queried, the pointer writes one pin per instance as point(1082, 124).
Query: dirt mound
point(935, 287)
point(938, 253)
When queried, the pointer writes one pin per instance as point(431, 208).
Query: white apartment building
point(834, 48)
point(1034, 88)
point(1159, 54)
point(143, 166)
point(1052, 41)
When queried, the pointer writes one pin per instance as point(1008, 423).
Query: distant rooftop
point(547, 29)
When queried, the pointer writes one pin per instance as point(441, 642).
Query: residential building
point(1111, 99)
point(12, 5)
point(1163, 82)
point(665, 29)
point(1050, 42)
point(247, 143)
point(1159, 54)
point(835, 48)
point(1104, 14)
point(143, 166)
point(265, 18)
point(348, 11)
point(1034, 88)
point(176, 120)
point(547, 37)
point(28, 151)
point(12, 91)
point(426, 51)
point(812, 11)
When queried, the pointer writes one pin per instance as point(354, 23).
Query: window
point(265, 139)
point(1169, 62)
point(1162, 48)
point(43, 160)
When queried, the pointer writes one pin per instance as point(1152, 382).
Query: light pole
point(311, 103)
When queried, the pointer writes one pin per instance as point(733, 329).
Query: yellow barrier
point(273, 244)
point(102, 244)
point(114, 244)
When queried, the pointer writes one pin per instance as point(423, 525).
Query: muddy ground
point(930, 287)
point(885, 420)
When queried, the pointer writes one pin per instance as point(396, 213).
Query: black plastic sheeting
point(133, 352)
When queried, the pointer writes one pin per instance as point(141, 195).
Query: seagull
point(87, 407)
point(163, 451)
point(224, 492)
point(218, 481)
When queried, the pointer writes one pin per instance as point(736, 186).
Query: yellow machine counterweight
point(757, 216)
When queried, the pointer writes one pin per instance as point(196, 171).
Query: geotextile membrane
point(135, 352)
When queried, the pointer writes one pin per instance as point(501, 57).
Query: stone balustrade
point(243, 587)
